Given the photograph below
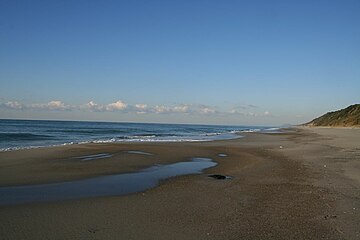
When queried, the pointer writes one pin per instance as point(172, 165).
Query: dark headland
point(347, 117)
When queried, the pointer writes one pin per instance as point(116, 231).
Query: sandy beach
point(300, 184)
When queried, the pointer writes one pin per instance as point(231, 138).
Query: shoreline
point(113, 142)
point(50, 159)
point(38, 134)
point(300, 184)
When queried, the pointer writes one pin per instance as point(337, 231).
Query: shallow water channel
point(112, 185)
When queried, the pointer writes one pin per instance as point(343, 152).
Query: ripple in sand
point(94, 157)
point(140, 152)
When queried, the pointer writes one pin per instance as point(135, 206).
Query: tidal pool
point(112, 185)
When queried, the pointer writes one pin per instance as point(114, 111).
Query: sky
point(255, 62)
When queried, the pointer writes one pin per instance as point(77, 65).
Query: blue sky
point(218, 62)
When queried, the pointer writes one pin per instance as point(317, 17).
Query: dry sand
point(309, 188)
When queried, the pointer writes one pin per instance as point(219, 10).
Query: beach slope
point(300, 184)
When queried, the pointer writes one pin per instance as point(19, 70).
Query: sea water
point(18, 134)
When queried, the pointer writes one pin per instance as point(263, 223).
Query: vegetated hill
point(347, 117)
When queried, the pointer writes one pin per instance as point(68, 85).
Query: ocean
point(19, 134)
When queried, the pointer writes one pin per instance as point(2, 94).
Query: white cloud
point(235, 111)
point(246, 106)
point(93, 106)
point(52, 105)
point(116, 106)
point(12, 105)
point(268, 114)
point(250, 114)
point(207, 110)
point(232, 111)
point(119, 105)
point(111, 107)
point(201, 109)
point(243, 113)
point(181, 109)
point(56, 105)
point(139, 108)
point(162, 109)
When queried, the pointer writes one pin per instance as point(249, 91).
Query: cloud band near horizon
point(139, 108)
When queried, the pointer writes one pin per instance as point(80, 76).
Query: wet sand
point(303, 184)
